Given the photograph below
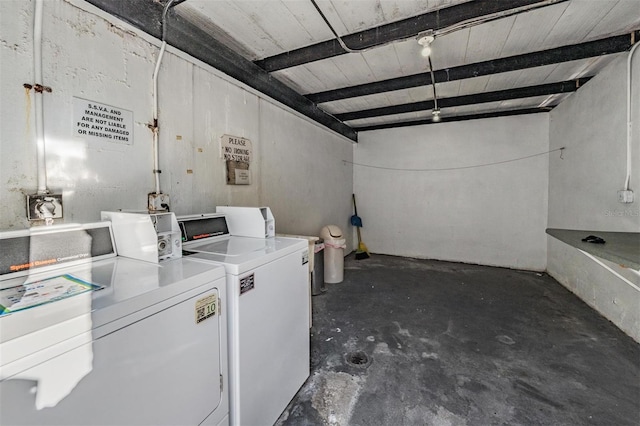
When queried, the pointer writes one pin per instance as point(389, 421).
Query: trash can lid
point(330, 232)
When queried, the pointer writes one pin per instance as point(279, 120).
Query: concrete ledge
point(622, 248)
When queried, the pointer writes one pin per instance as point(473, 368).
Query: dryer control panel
point(152, 237)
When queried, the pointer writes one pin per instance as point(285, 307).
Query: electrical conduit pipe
point(39, 110)
point(156, 156)
point(629, 122)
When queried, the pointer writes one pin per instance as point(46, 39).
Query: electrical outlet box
point(625, 196)
point(159, 202)
point(44, 206)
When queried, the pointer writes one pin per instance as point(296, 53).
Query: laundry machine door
point(162, 369)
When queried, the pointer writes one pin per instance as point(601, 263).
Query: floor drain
point(359, 359)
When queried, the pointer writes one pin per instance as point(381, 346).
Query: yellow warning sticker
point(206, 307)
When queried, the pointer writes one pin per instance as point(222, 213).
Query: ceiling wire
point(433, 86)
point(458, 168)
point(326, 21)
point(442, 31)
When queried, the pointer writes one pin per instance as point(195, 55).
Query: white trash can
point(334, 245)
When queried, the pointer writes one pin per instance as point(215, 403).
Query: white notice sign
point(236, 153)
point(99, 122)
point(235, 148)
point(243, 177)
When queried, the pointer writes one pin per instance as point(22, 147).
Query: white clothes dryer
point(268, 314)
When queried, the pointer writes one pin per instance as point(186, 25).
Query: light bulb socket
point(425, 40)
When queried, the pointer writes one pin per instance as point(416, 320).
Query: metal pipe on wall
point(38, 101)
point(156, 155)
point(629, 121)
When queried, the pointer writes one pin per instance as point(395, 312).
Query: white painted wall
point(583, 187)
point(298, 169)
point(315, 171)
point(494, 215)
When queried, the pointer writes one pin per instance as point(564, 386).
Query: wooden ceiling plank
point(399, 9)
point(581, 68)
point(578, 21)
point(399, 97)
point(256, 17)
point(533, 76)
point(382, 61)
point(262, 26)
point(485, 41)
point(472, 85)
point(561, 54)
point(306, 18)
point(340, 15)
point(421, 93)
point(506, 80)
point(532, 102)
point(292, 77)
point(354, 69)
point(474, 109)
point(530, 29)
point(405, 28)
point(624, 15)
point(229, 16)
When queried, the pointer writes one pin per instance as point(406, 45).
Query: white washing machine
point(268, 314)
point(148, 348)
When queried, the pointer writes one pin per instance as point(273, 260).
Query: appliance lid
point(128, 287)
point(235, 246)
point(203, 226)
point(237, 262)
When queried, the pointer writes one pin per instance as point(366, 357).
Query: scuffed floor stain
point(442, 417)
point(336, 395)
point(382, 348)
point(535, 393)
point(402, 331)
point(505, 339)
point(330, 395)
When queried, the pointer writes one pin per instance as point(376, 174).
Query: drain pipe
point(38, 91)
point(154, 126)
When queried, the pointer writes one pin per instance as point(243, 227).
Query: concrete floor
point(457, 344)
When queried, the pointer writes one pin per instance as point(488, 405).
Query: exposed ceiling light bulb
point(436, 114)
point(425, 41)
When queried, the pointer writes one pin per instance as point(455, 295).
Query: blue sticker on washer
point(247, 283)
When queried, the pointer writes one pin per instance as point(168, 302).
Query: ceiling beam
point(477, 98)
point(557, 55)
point(448, 119)
point(146, 15)
point(403, 29)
